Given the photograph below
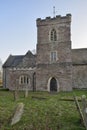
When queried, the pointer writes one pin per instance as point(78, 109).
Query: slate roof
point(13, 61)
point(18, 60)
point(29, 60)
point(79, 56)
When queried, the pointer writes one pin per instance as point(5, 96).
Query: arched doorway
point(53, 85)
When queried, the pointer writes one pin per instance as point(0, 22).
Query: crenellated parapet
point(58, 19)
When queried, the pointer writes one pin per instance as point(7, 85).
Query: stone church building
point(54, 67)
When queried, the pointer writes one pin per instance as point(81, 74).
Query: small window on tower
point(53, 56)
point(53, 35)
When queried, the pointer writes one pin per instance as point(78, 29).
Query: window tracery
point(24, 79)
point(53, 35)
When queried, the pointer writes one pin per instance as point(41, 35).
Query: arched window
point(24, 79)
point(53, 35)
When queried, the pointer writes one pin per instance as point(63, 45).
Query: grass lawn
point(48, 113)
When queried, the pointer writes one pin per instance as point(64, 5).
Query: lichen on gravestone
point(17, 114)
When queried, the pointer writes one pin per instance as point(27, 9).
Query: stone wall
point(79, 56)
point(79, 74)
point(62, 72)
point(79, 70)
point(63, 52)
point(13, 75)
point(6, 78)
point(61, 24)
point(61, 69)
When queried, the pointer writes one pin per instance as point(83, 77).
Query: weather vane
point(54, 12)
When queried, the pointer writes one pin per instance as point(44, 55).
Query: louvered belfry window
point(53, 35)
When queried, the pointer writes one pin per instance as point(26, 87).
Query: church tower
point(54, 64)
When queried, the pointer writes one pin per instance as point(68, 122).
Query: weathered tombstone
point(17, 114)
point(84, 110)
point(26, 91)
point(79, 109)
point(15, 95)
point(16, 92)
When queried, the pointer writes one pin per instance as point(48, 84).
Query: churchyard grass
point(42, 111)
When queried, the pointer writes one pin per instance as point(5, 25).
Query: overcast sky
point(18, 32)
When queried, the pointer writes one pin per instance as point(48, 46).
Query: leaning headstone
point(84, 110)
point(79, 109)
point(16, 91)
point(26, 92)
point(17, 114)
point(15, 95)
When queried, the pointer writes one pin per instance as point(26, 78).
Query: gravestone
point(17, 114)
point(26, 92)
point(16, 91)
point(84, 110)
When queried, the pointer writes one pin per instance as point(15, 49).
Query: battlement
point(58, 19)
